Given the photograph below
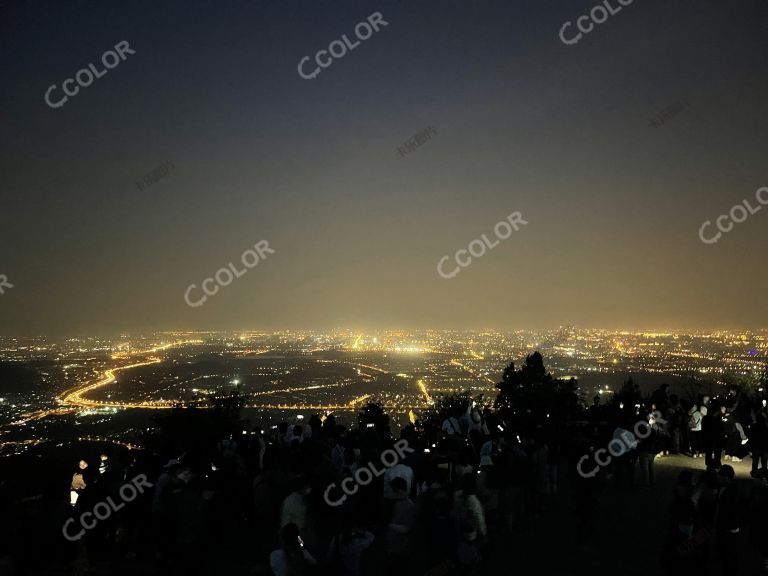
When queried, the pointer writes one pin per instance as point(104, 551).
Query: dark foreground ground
point(630, 533)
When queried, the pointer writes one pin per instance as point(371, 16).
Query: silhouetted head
point(469, 483)
point(725, 474)
point(290, 536)
point(399, 486)
point(301, 484)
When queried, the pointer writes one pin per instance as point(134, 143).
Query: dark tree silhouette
point(531, 396)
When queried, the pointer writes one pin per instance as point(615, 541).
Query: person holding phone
point(292, 559)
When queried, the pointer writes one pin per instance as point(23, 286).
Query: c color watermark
point(338, 48)
point(616, 447)
point(85, 76)
point(479, 246)
point(225, 276)
point(365, 475)
point(586, 23)
point(4, 283)
point(103, 510)
point(738, 214)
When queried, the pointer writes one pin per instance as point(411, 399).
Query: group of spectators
point(316, 497)
point(452, 493)
point(721, 429)
point(715, 526)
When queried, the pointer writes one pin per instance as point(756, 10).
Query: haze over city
point(564, 134)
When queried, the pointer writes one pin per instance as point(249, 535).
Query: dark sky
point(523, 123)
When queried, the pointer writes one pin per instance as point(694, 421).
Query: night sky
point(523, 122)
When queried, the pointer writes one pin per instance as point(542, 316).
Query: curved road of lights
point(75, 398)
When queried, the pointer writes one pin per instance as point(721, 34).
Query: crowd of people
point(714, 526)
point(721, 429)
point(297, 493)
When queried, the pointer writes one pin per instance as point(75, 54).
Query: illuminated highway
point(73, 399)
point(76, 399)
point(423, 389)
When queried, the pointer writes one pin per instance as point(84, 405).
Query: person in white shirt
point(475, 420)
point(695, 416)
point(294, 510)
point(400, 524)
point(469, 511)
point(399, 470)
point(452, 426)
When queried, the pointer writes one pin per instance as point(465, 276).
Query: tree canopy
point(531, 395)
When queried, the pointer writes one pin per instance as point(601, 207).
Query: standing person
point(757, 511)
point(732, 439)
point(660, 426)
point(400, 526)
point(674, 417)
point(515, 476)
point(713, 436)
point(624, 459)
point(467, 506)
point(681, 510)
point(451, 426)
point(585, 488)
point(465, 465)
point(104, 462)
point(647, 448)
point(695, 416)
point(399, 470)
point(475, 421)
point(740, 439)
point(163, 508)
point(78, 484)
point(727, 523)
point(345, 553)
point(660, 397)
point(192, 514)
point(452, 433)
point(681, 553)
point(294, 509)
point(758, 438)
point(469, 522)
point(268, 493)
